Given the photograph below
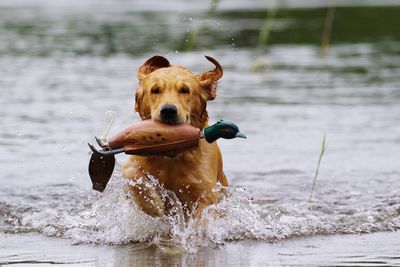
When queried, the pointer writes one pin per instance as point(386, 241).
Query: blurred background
point(108, 28)
point(294, 71)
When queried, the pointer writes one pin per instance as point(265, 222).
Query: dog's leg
point(144, 191)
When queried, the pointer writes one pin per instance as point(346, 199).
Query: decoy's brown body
point(153, 138)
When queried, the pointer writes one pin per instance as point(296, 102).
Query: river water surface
point(62, 66)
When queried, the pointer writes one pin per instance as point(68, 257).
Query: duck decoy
point(151, 138)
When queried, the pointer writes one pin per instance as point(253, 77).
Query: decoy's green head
point(222, 129)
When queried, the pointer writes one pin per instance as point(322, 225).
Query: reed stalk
point(327, 33)
point(323, 149)
point(191, 37)
point(263, 35)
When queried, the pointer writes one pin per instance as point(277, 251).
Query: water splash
point(113, 218)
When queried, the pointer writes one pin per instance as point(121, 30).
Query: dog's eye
point(155, 90)
point(184, 90)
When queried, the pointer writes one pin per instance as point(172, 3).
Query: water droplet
point(18, 133)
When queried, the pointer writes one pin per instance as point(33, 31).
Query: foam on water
point(113, 217)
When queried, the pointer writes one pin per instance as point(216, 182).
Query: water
point(62, 67)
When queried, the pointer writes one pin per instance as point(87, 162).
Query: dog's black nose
point(169, 113)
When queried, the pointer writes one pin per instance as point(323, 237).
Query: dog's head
point(174, 95)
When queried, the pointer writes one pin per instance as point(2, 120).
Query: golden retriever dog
point(174, 95)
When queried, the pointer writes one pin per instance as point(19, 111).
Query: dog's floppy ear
point(151, 65)
point(141, 104)
point(208, 80)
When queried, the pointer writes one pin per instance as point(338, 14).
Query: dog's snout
point(169, 113)
point(169, 110)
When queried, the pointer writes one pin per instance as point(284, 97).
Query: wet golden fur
point(193, 174)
